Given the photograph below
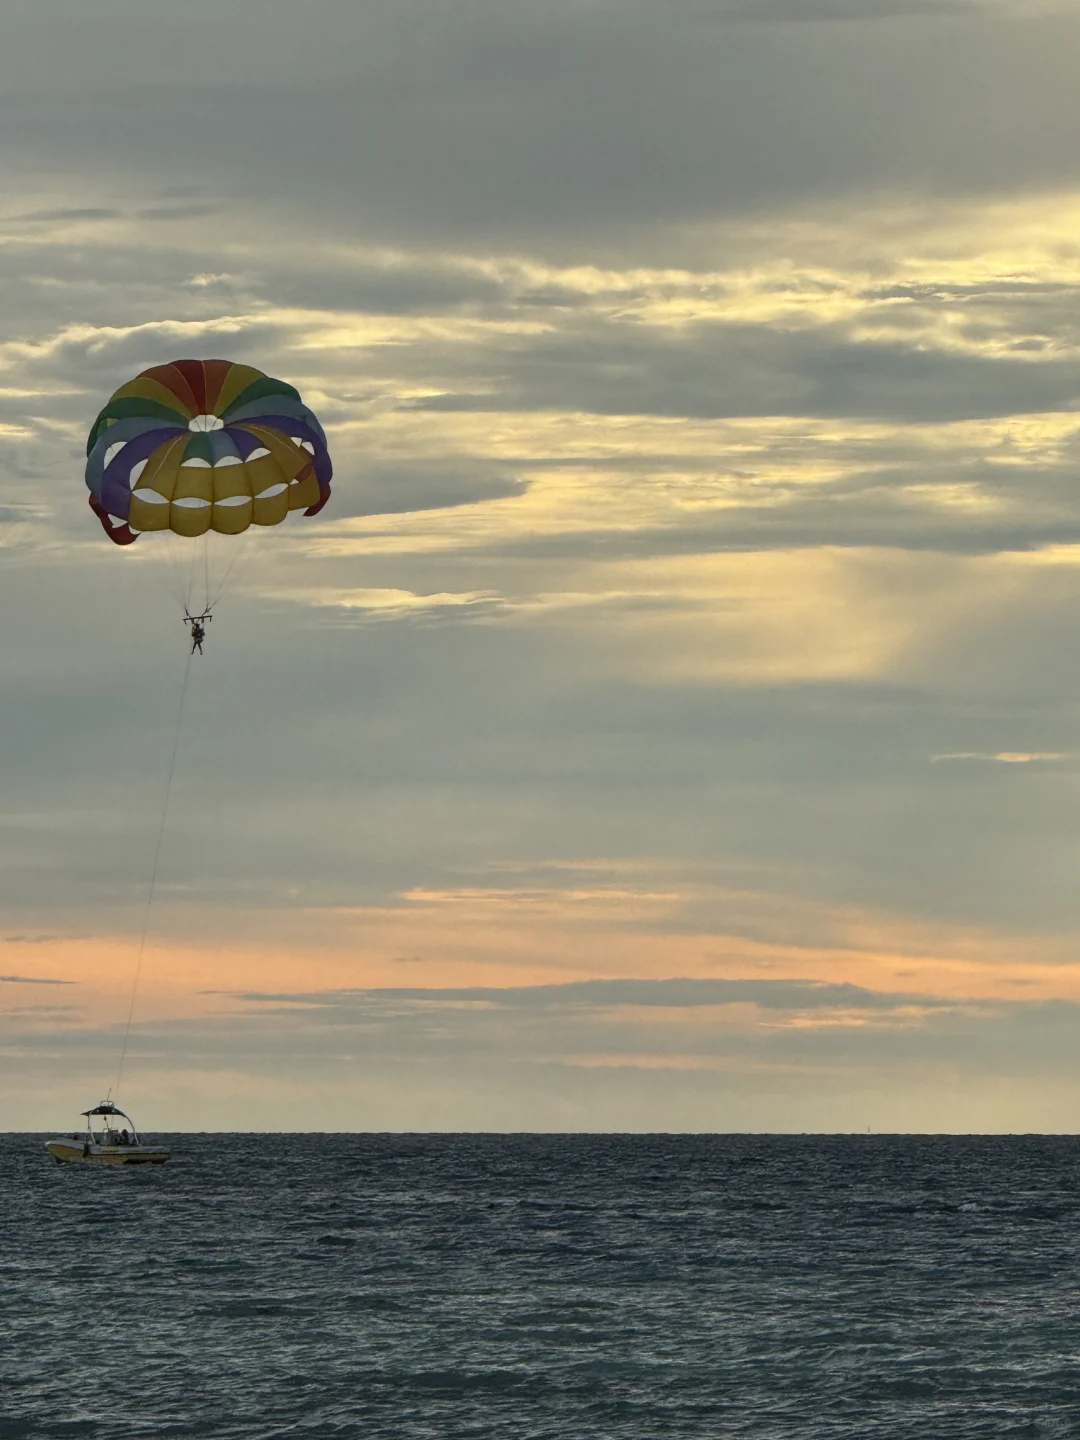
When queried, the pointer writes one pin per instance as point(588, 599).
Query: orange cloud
point(568, 924)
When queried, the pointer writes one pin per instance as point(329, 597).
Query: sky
point(673, 720)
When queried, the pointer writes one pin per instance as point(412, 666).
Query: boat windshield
point(111, 1128)
point(120, 1136)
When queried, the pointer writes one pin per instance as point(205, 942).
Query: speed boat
point(110, 1138)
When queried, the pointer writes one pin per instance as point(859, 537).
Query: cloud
point(605, 994)
point(68, 213)
point(389, 489)
point(716, 371)
point(795, 12)
point(1005, 757)
point(31, 979)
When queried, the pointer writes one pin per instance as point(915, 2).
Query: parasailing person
point(198, 625)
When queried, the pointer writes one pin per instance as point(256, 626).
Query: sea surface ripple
point(544, 1286)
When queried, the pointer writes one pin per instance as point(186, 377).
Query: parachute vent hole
point(136, 471)
point(203, 423)
point(258, 453)
point(114, 450)
point(234, 500)
point(192, 502)
point(150, 497)
point(272, 490)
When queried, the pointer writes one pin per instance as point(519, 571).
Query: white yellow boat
point(107, 1140)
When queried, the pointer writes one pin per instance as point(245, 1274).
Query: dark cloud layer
point(721, 371)
point(546, 125)
point(403, 488)
point(593, 994)
point(31, 979)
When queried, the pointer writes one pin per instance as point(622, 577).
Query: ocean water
point(544, 1286)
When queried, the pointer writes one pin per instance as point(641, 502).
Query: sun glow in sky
point(673, 721)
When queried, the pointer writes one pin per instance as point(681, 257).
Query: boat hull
point(78, 1152)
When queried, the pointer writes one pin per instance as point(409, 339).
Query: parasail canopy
point(200, 445)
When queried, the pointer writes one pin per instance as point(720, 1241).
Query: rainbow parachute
point(199, 445)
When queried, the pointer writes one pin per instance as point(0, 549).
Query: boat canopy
point(106, 1108)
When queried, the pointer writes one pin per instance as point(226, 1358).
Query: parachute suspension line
point(192, 571)
point(153, 879)
point(221, 586)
